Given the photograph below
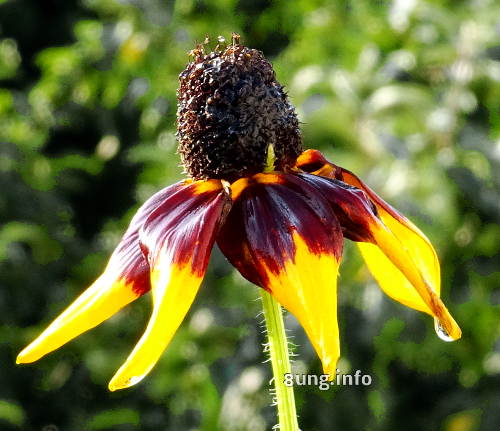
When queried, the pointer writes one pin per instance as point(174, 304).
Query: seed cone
point(230, 109)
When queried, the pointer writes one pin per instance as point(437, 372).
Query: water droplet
point(441, 332)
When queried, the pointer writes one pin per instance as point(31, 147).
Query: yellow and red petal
point(125, 278)
point(282, 235)
point(401, 278)
point(405, 267)
point(177, 239)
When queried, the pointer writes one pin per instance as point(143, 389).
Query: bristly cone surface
point(230, 109)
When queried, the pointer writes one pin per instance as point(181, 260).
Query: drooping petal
point(417, 244)
point(125, 278)
point(282, 235)
point(396, 265)
point(177, 238)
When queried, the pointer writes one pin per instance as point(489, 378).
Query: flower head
point(278, 213)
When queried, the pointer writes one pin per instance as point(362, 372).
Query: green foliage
point(110, 419)
point(405, 94)
point(11, 413)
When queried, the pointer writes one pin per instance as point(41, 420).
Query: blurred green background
point(404, 93)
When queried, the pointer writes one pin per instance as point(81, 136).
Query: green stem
point(278, 351)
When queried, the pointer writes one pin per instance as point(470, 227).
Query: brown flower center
point(231, 108)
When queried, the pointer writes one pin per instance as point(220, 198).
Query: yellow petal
point(177, 237)
point(307, 287)
point(99, 302)
point(406, 266)
point(282, 235)
point(416, 243)
point(174, 289)
point(390, 278)
point(401, 278)
point(399, 255)
point(125, 278)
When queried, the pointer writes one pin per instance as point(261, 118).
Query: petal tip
point(330, 368)
point(119, 382)
point(21, 359)
point(27, 355)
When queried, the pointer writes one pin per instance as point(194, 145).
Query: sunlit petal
point(125, 278)
point(414, 240)
point(282, 235)
point(399, 276)
point(399, 267)
point(177, 237)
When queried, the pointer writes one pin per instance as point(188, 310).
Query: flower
point(278, 213)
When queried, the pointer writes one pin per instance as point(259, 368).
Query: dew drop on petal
point(441, 332)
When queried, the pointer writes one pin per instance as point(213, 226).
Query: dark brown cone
point(231, 108)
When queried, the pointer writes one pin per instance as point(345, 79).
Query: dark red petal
point(128, 259)
point(352, 207)
point(125, 278)
point(282, 235)
point(401, 257)
point(177, 239)
point(268, 209)
point(184, 225)
point(313, 162)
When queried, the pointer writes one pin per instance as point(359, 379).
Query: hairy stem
point(278, 352)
